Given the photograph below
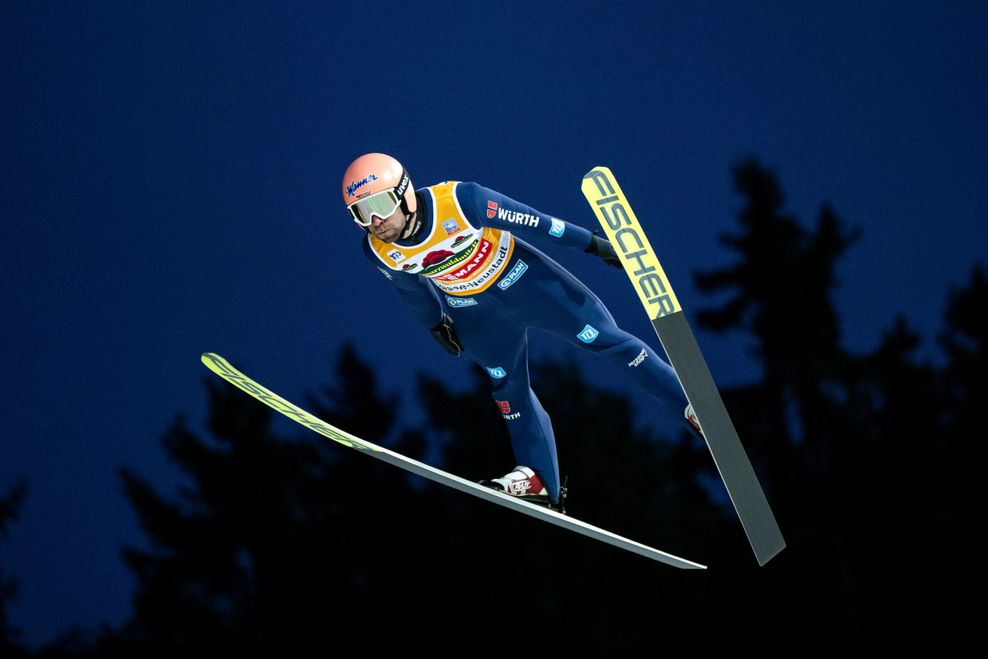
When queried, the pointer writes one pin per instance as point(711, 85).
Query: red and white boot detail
point(523, 482)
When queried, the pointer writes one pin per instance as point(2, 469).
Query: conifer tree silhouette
point(10, 504)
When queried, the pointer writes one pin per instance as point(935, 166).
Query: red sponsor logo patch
point(504, 405)
point(491, 208)
point(438, 256)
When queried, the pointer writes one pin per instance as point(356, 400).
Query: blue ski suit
point(467, 260)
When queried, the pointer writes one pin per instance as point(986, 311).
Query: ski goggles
point(382, 204)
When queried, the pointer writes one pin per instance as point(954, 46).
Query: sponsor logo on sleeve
point(386, 273)
point(588, 334)
point(460, 302)
point(513, 276)
point(517, 217)
point(505, 408)
point(491, 209)
point(557, 228)
point(496, 372)
point(637, 361)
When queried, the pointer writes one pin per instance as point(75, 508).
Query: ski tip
point(598, 168)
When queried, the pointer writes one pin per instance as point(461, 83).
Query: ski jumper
point(467, 260)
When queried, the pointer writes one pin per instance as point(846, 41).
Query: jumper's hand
point(445, 334)
point(602, 248)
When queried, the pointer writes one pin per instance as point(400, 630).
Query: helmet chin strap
point(405, 233)
point(412, 222)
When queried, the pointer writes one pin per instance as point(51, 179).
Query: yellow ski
point(649, 280)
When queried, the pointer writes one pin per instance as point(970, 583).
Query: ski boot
point(526, 485)
point(690, 416)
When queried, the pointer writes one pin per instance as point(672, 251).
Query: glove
point(602, 247)
point(445, 334)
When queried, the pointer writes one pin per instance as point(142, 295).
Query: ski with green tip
point(223, 368)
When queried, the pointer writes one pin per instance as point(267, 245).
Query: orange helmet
point(376, 184)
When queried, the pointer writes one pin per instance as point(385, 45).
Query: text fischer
point(632, 247)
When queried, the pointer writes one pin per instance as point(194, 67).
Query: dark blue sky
point(169, 185)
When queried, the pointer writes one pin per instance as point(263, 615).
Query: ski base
point(662, 306)
point(722, 439)
point(222, 367)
